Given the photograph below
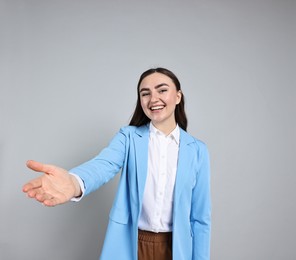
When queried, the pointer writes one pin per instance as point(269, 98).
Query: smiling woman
point(162, 209)
point(163, 79)
point(159, 98)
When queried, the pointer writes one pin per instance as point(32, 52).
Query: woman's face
point(159, 97)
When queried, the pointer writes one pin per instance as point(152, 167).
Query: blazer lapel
point(141, 141)
point(184, 163)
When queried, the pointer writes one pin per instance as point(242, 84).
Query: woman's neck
point(165, 128)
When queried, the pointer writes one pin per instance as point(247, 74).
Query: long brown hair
point(139, 118)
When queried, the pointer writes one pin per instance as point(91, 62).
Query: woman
point(162, 206)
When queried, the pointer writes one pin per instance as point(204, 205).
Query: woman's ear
point(179, 97)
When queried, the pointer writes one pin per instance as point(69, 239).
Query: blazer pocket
point(120, 216)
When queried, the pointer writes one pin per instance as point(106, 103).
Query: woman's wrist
point(77, 189)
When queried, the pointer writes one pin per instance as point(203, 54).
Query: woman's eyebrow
point(144, 89)
point(160, 85)
point(156, 87)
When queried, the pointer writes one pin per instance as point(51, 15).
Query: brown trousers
point(154, 246)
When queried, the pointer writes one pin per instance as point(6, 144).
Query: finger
point(34, 192)
point(41, 197)
point(33, 184)
point(51, 202)
point(39, 167)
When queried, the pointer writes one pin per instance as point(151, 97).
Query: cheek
point(143, 104)
point(173, 100)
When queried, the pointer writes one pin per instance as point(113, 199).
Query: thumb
point(38, 167)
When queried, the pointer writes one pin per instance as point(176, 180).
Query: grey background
point(68, 82)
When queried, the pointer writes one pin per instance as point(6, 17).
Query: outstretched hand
point(55, 186)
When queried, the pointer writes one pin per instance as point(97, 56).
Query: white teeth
point(157, 107)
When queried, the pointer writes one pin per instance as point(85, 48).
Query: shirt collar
point(175, 134)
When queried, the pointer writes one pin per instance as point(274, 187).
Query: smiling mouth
point(156, 108)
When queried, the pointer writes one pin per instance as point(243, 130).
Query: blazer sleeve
point(105, 166)
point(200, 216)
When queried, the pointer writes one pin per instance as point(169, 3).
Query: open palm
point(55, 186)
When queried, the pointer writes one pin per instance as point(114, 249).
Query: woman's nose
point(154, 96)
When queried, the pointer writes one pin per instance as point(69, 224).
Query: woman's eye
point(163, 90)
point(145, 94)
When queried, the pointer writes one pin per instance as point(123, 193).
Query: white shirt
point(157, 208)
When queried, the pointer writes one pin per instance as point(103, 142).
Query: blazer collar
point(142, 130)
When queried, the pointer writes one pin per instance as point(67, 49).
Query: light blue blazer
point(128, 152)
